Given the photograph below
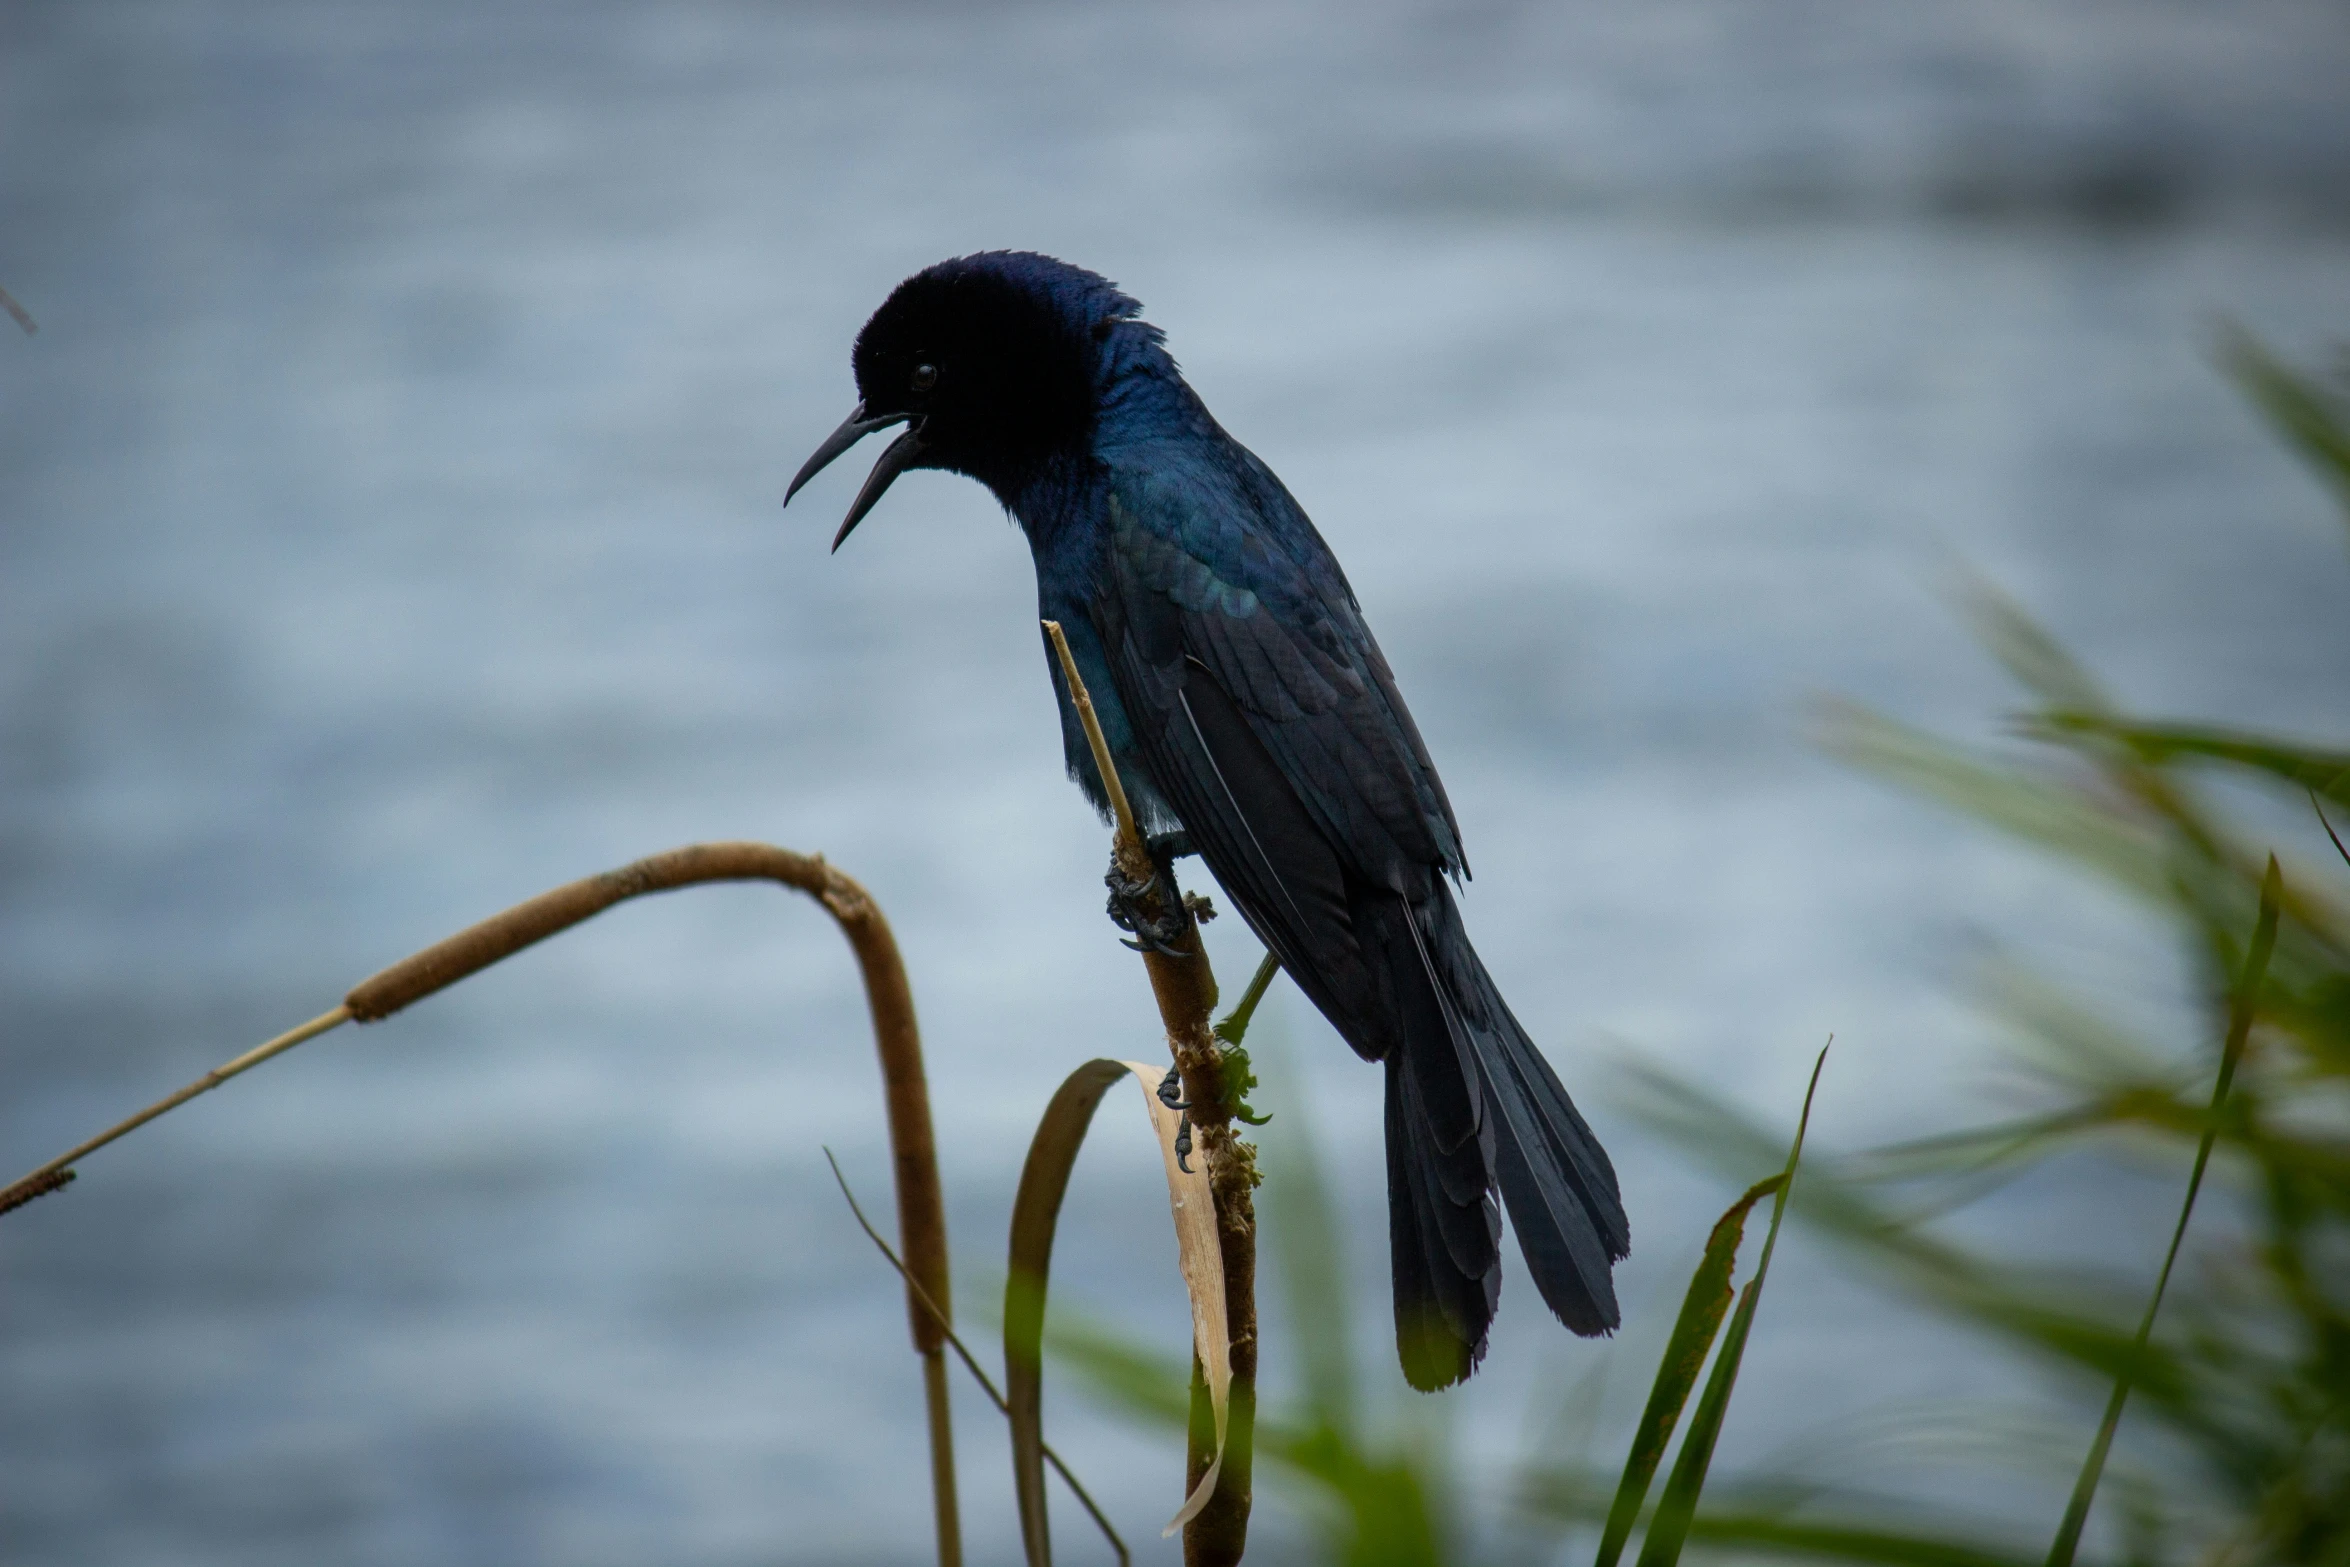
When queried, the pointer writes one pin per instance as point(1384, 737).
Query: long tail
point(1471, 1106)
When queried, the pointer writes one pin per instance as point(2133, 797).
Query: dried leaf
point(1044, 1181)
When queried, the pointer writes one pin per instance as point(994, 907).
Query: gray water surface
point(390, 531)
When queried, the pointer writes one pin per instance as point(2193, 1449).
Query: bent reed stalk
point(1185, 988)
point(896, 1038)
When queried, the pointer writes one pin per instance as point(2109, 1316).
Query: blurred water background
point(389, 530)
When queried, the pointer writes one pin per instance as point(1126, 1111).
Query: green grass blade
point(1669, 1529)
point(1677, 1507)
point(1036, 1215)
point(1758, 1526)
point(2046, 1310)
point(1146, 1382)
point(1702, 1310)
point(1847, 1542)
point(2240, 1013)
point(2024, 648)
point(2321, 772)
point(2310, 422)
point(1309, 1257)
point(2035, 810)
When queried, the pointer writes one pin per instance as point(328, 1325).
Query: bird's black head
point(995, 364)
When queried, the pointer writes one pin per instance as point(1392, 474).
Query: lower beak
point(895, 460)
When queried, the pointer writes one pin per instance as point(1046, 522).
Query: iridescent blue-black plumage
point(1247, 704)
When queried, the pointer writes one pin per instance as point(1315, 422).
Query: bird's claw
point(1171, 1095)
point(1147, 945)
point(1126, 908)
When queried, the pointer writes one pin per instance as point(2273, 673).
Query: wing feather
point(1263, 613)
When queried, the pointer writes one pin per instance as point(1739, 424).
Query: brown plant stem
point(1185, 987)
point(59, 1171)
point(921, 1207)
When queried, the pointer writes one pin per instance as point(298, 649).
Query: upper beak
point(895, 460)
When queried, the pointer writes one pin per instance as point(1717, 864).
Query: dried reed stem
point(1186, 990)
point(58, 1171)
point(921, 1207)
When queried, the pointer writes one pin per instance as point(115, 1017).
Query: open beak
point(895, 460)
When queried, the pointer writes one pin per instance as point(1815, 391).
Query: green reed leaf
point(2321, 772)
point(2311, 423)
point(2033, 809)
point(2242, 1006)
point(1669, 1529)
point(1702, 1310)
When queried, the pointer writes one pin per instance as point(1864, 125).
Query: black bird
point(1253, 719)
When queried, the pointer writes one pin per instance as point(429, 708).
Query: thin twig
point(58, 1171)
point(2240, 1014)
point(971, 1362)
point(1112, 784)
point(38, 1184)
point(2328, 826)
point(24, 317)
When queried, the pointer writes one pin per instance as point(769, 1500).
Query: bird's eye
point(925, 377)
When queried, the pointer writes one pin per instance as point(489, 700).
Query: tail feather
point(1438, 1062)
point(1576, 1162)
point(1456, 1205)
point(1446, 1255)
point(1472, 1103)
point(1565, 1235)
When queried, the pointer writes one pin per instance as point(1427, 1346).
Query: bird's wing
point(1274, 725)
point(1270, 723)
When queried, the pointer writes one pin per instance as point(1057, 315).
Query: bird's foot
point(1171, 1095)
point(1131, 903)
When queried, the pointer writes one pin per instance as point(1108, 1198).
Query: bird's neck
point(1054, 500)
point(1059, 500)
point(1144, 398)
